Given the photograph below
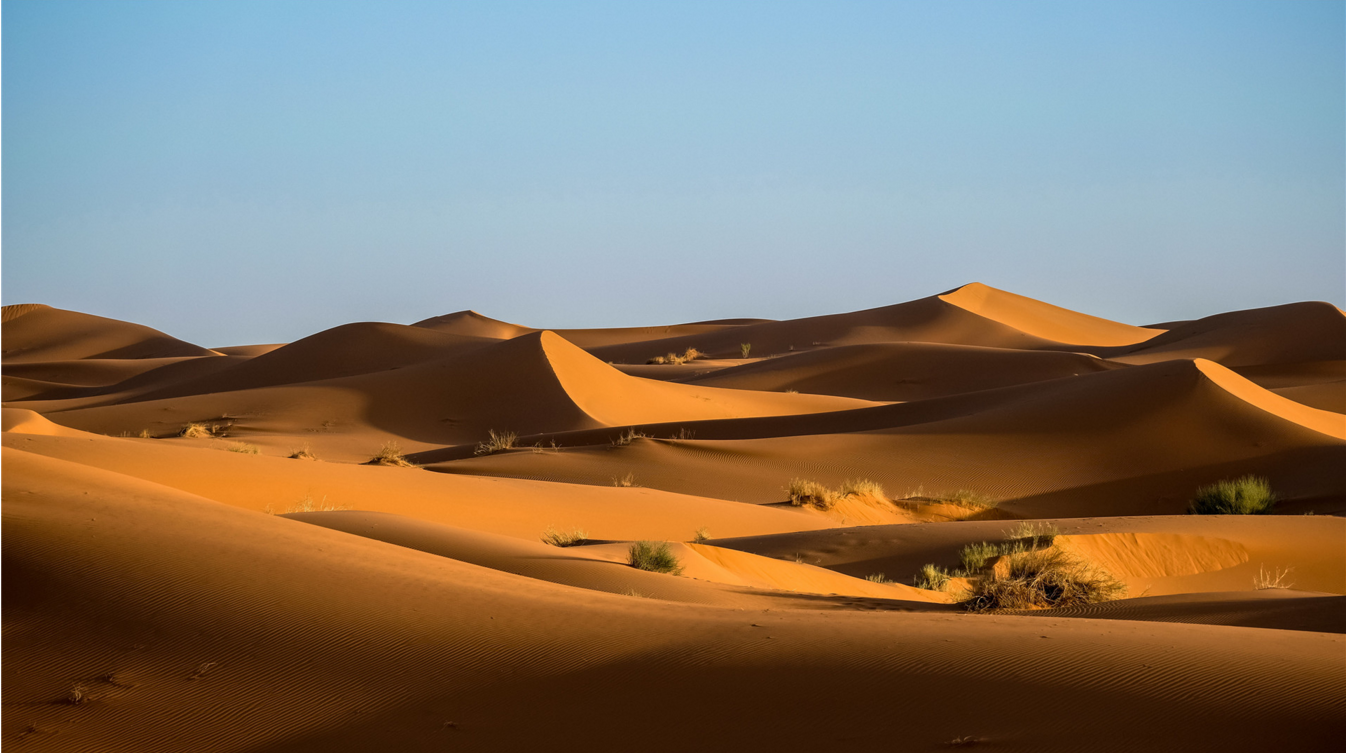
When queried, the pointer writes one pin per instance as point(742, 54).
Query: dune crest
point(1043, 319)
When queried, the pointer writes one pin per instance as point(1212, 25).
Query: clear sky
point(237, 172)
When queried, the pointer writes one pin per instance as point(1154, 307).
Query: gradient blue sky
point(238, 172)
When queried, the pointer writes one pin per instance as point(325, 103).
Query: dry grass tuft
point(654, 556)
point(145, 434)
point(496, 442)
point(862, 487)
point(975, 556)
point(1267, 579)
point(811, 494)
point(573, 537)
point(201, 431)
point(744, 349)
point(932, 578)
point(1249, 495)
point(244, 448)
point(657, 361)
point(302, 453)
point(629, 480)
point(876, 578)
point(627, 437)
point(78, 694)
point(391, 455)
point(967, 498)
point(306, 504)
point(702, 535)
point(1042, 579)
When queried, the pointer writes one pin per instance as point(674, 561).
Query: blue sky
point(238, 172)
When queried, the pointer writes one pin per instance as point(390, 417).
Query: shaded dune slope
point(34, 332)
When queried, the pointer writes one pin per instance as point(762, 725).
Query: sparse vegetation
point(302, 453)
point(932, 578)
point(627, 437)
point(635, 593)
point(876, 578)
point(967, 498)
point(573, 537)
point(1033, 535)
point(674, 359)
point(811, 494)
point(145, 434)
point(654, 556)
point(1042, 578)
point(78, 694)
point(862, 487)
point(1267, 579)
point(745, 349)
point(625, 481)
point(391, 455)
point(1248, 495)
point(244, 448)
point(702, 535)
point(495, 442)
point(975, 556)
point(306, 504)
point(201, 431)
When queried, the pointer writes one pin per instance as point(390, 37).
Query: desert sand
point(198, 554)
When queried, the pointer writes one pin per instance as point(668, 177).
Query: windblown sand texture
point(224, 591)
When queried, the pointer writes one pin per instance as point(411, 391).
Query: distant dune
point(199, 554)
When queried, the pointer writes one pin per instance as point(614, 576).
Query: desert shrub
point(306, 504)
point(1031, 536)
point(975, 556)
point(627, 480)
point(145, 434)
point(931, 578)
point(876, 578)
point(391, 455)
point(862, 488)
point(702, 535)
point(201, 431)
point(967, 498)
point(811, 494)
point(1272, 578)
point(495, 442)
point(1248, 495)
point(627, 437)
point(657, 360)
point(654, 556)
point(573, 537)
point(691, 354)
point(1042, 578)
point(745, 349)
point(302, 453)
point(244, 448)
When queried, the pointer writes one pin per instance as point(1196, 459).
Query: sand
point(212, 593)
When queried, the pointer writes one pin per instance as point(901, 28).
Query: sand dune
point(211, 592)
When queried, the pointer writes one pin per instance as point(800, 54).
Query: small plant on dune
point(495, 442)
point(654, 556)
point(975, 556)
point(811, 494)
point(702, 535)
point(629, 480)
point(306, 504)
point(1267, 579)
point(862, 487)
point(78, 694)
point(201, 431)
point(745, 349)
point(244, 448)
point(145, 434)
point(573, 537)
point(684, 434)
point(1042, 578)
point(876, 578)
point(1033, 535)
point(658, 361)
point(691, 354)
point(635, 593)
point(966, 498)
point(627, 437)
point(1248, 495)
point(391, 455)
point(302, 453)
point(932, 578)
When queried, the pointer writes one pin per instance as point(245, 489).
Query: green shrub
point(975, 556)
point(932, 578)
point(745, 349)
point(1249, 495)
point(654, 556)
